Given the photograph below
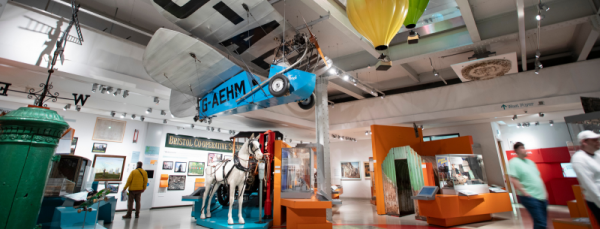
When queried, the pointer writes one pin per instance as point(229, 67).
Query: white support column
point(467, 14)
point(522, 36)
point(2, 6)
point(587, 36)
point(322, 119)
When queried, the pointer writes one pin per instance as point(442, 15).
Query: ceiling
point(559, 36)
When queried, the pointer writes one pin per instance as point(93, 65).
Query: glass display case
point(461, 172)
point(74, 169)
point(578, 123)
point(296, 173)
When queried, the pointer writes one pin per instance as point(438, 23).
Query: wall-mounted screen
point(567, 170)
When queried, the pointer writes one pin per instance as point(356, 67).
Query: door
point(404, 188)
point(502, 159)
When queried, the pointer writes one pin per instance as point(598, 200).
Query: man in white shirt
point(586, 163)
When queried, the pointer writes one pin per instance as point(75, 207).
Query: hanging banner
point(189, 142)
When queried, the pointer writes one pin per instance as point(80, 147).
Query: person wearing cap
point(136, 183)
point(586, 163)
point(525, 177)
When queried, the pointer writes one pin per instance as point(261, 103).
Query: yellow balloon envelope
point(377, 20)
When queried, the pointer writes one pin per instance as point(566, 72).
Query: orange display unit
point(307, 213)
point(164, 181)
point(428, 176)
point(199, 183)
point(452, 210)
point(278, 215)
point(384, 138)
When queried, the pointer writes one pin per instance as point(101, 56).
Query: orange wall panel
point(460, 145)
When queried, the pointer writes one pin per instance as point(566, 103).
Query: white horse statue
point(233, 173)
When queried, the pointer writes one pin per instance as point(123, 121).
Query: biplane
point(220, 68)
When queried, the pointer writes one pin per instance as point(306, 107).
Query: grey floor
point(353, 214)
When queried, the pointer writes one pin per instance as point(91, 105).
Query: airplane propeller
point(313, 40)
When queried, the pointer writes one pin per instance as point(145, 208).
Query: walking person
point(136, 183)
point(531, 190)
point(586, 163)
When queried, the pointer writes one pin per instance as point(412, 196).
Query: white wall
point(483, 134)
point(535, 137)
point(351, 151)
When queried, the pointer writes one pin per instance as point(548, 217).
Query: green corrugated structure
point(415, 172)
point(28, 138)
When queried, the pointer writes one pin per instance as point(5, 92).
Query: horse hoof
point(230, 221)
point(242, 221)
point(208, 216)
point(202, 217)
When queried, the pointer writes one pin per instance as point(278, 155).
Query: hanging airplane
point(217, 70)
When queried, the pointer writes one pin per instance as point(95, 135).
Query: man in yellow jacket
point(137, 182)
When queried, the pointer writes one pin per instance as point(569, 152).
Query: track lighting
point(142, 118)
point(196, 118)
point(413, 37)
point(102, 89)
point(209, 121)
point(78, 108)
point(541, 114)
point(117, 92)
point(543, 7)
point(538, 54)
point(366, 132)
point(156, 100)
point(162, 112)
point(422, 127)
point(110, 89)
point(164, 121)
point(208, 128)
point(212, 129)
point(149, 111)
point(68, 106)
point(192, 125)
point(539, 17)
point(435, 73)
point(112, 114)
point(514, 117)
point(346, 77)
point(94, 87)
point(123, 115)
point(125, 93)
point(219, 130)
point(551, 123)
point(537, 123)
point(133, 116)
point(518, 125)
point(333, 71)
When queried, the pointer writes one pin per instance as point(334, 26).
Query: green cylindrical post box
point(28, 138)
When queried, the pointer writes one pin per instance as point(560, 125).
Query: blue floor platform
point(220, 214)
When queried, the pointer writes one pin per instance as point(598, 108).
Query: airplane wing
point(225, 24)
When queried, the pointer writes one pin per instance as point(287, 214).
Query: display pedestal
point(307, 213)
point(219, 216)
point(452, 210)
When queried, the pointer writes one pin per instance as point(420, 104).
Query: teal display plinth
point(28, 138)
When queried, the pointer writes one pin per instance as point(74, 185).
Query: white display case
point(296, 173)
point(461, 172)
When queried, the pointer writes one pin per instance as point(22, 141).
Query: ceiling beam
point(522, 36)
point(411, 72)
point(338, 86)
point(311, 23)
point(341, 22)
point(585, 39)
point(467, 15)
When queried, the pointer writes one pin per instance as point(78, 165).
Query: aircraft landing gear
point(279, 86)
point(307, 103)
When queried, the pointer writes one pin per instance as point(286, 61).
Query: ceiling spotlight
point(543, 7)
point(519, 125)
point(551, 123)
point(539, 17)
point(156, 100)
point(208, 128)
point(367, 132)
point(162, 112)
point(413, 37)
point(346, 77)
point(125, 93)
point(333, 71)
point(537, 54)
point(172, 116)
point(383, 97)
point(149, 111)
point(142, 118)
point(123, 115)
point(537, 123)
point(94, 87)
point(68, 106)
point(112, 114)
point(209, 121)
point(435, 73)
point(103, 89)
point(196, 118)
point(219, 130)
point(212, 129)
point(233, 132)
point(133, 116)
point(78, 108)
point(110, 89)
point(541, 114)
point(117, 92)
point(192, 126)
point(514, 117)
point(164, 121)
point(422, 127)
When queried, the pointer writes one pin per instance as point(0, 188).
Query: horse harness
point(237, 164)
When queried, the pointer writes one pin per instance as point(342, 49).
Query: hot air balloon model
point(378, 21)
point(415, 11)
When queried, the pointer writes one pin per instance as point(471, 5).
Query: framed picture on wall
point(176, 182)
point(367, 169)
point(180, 167)
point(167, 165)
point(196, 168)
point(74, 145)
point(109, 130)
point(108, 167)
point(350, 170)
point(113, 187)
point(214, 157)
point(99, 147)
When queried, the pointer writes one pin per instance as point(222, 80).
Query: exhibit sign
point(196, 168)
point(189, 142)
